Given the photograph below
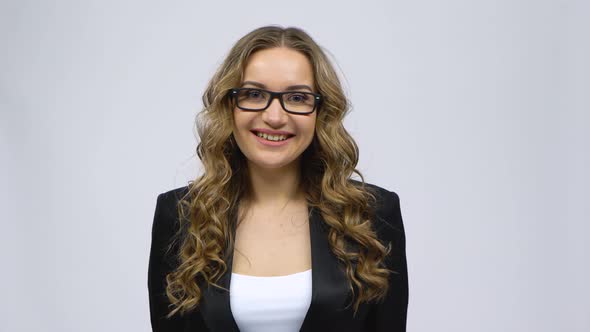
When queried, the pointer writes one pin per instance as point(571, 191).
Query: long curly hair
point(208, 211)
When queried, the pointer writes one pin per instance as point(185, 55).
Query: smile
point(272, 137)
point(272, 140)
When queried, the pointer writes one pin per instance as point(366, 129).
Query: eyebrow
point(289, 88)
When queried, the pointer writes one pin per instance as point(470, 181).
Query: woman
point(275, 236)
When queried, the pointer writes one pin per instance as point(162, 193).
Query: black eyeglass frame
point(317, 98)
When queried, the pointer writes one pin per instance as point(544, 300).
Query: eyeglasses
point(295, 102)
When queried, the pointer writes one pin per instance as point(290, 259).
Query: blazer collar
point(329, 285)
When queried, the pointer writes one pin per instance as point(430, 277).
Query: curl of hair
point(208, 212)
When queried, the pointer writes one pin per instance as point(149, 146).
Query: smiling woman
point(275, 235)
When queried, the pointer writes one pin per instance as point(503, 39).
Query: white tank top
point(270, 304)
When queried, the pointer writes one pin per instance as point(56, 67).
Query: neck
point(275, 187)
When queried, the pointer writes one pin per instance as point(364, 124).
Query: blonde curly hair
point(209, 208)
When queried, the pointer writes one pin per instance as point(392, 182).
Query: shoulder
point(166, 215)
point(386, 201)
point(168, 201)
point(173, 194)
point(387, 217)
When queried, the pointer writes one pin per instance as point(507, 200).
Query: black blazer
point(329, 288)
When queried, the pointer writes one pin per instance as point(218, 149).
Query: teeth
point(272, 137)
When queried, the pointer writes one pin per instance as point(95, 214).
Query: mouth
point(272, 138)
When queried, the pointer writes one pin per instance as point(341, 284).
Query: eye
point(298, 98)
point(253, 94)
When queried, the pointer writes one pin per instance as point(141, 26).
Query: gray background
point(474, 112)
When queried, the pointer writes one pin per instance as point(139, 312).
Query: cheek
point(240, 124)
point(308, 128)
point(310, 125)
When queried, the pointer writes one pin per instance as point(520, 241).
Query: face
point(276, 69)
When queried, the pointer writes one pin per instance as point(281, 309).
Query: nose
point(275, 116)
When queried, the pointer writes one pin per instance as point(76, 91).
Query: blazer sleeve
point(391, 314)
point(160, 264)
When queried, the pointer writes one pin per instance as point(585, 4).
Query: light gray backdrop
point(474, 112)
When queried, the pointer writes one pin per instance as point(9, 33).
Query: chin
point(266, 164)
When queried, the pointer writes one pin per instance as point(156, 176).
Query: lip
point(271, 143)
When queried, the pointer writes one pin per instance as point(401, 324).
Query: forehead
point(278, 68)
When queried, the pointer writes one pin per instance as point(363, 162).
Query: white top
point(273, 304)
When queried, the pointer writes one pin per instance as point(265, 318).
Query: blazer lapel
point(215, 305)
point(329, 285)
